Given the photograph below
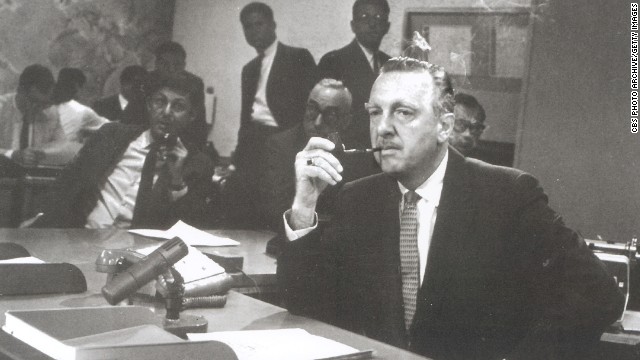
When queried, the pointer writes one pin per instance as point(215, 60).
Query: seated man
point(78, 120)
point(469, 123)
point(28, 124)
point(328, 111)
point(124, 106)
point(130, 176)
point(449, 257)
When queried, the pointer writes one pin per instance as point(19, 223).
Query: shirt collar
point(367, 53)
point(145, 139)
point(123, 102)
point(271, 49)
point(431, 189)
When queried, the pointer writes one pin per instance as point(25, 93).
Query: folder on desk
point(21, 274)
point(121, 332)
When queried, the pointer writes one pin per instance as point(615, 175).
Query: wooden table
point(81, 247)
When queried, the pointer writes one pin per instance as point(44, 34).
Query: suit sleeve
point(575, 296)
point(278, 186)
point(328, 67)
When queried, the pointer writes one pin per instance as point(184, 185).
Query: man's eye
point(405, 113)
point(374, 112)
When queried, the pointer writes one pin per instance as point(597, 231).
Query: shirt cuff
point(296, 234)
point(176, 195)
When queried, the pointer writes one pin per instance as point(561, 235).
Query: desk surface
point(81, 247)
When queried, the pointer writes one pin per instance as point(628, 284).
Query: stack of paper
point(190, 235)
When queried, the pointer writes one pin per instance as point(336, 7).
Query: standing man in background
point(171, 60)
point(275, 86)
point(357, 64)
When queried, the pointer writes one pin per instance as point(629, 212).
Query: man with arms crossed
point(449, 257)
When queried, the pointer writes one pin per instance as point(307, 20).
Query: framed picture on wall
point(481, 49)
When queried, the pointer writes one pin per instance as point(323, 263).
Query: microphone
point(140, 273)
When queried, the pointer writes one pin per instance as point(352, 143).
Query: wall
point(212, 35)
point(575, 132)
point(98, 36)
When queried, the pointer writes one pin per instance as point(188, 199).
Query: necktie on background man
point(143, 206)
point(24, 133)
point(409, 257)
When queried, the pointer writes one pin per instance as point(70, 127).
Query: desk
point(81, 247)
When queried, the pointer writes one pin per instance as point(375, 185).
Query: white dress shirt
point(75, 117)
point(261, 112)
point(118, 194)
point(123, 102)
point(429, 191)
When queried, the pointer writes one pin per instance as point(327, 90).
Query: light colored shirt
point(44, 130)
point(118, 194)
point(429, 191)
point(123, 102)
point(75, 117)
point(369, 55)
point(261, 112)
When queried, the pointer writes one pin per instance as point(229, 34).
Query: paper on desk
point(189, 234)
point(22, 260)
point(282, 344)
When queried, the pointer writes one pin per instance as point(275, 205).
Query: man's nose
point(385, 125)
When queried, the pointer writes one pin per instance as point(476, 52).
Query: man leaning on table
point(132, 176)
point(28, 123)
point(449, 257)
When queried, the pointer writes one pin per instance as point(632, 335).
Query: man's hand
point(316, 168)
point(171, 160)
point(28, 156)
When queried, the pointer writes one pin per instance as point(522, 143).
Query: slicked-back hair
point(37, 76)
point(337, 85)
point(381, 3)
point(444, 101)
point(256, 7)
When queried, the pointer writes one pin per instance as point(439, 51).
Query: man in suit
point(134, 176)
point(357, 64)
point(449, 257)
point(116, 107)
point(171, 60)
point(328, 112)
point(275, 86)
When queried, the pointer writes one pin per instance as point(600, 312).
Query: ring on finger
point(310, 162)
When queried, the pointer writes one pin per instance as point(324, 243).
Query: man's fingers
point(319, 143)
point(324, 169)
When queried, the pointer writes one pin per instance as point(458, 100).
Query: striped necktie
point(409, 258)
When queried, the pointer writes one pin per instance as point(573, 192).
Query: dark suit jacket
point(279, 183)
point(78, 187)
point(292, 76)
point(350, 65)
point(108, 107)
point(505, 278)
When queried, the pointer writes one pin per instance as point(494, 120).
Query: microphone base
point(186, 324)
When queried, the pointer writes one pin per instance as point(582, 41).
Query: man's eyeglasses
point(475, 128)
point(366, 18)
point(159, 102)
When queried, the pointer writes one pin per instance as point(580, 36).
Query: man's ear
point(445, 126)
